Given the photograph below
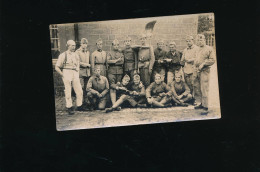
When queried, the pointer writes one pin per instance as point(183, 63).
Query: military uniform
point(205, 55)
point(156, 93)
point(188, 57)
point(145, 63)
point(115, 68)
point(99, 58)
point(84, 72)
point(130, 61)
point(159, 68)
point(97, 86)
point(178, 89)
point(172, 68)
point(69, 62)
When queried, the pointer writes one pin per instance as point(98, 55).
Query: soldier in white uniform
point(68, 67)
point(205, 57)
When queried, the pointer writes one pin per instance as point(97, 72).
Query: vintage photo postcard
point(135, 71)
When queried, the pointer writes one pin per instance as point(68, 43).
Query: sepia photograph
point(135, 71)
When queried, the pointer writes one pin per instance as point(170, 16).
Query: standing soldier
point(145, 61)
point(188, 57)
point(99, 58)
point(130, 57)
point(158, 94)
point(173, 62)
point(160, 55)
point(84, 72)
point(115, 61)
point(205, 57)
point(97, 89)
point(68, 67)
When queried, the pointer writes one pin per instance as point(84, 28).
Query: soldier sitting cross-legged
point(120, 91)
point(180, 91)
point(158, 94)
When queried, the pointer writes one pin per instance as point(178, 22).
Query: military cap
point(128, 38)
point(189, 37)
point(200, 36)
point(69, 42)
point(172, 43)
point(126, 77)
point(157, 75)
point(115, 42)
point(99, 40)
point(136, 76)
point(84, 41)
point(160, 41)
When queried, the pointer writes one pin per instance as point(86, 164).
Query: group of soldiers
point(136, 75)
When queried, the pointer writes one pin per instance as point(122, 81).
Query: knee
point(89, 94)
point(189, 96)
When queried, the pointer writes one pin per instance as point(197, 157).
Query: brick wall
point(174, 28)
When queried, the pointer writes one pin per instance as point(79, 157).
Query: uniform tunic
point(115, 69)
point(178, 89)
point(99, 58)
point(171, 67)
point(84, 72)
point(189, 53)
point(145, 63)
point(69, 62)
point(159, 68)
point(97, 86)
point(130, 61)
point(205, 55)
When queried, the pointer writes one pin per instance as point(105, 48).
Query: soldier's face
point(84, 45)
point(99, 45)
point(172, 48)
point(115, 46)
point(97, 72)
point(160, 45)
point(177, 78)
point(189, 42)
point(125, 81)
point(136, 81)
point(201, 42)
point(143, 40)
point(127, 42)
point(158, 80)
point(72, 47)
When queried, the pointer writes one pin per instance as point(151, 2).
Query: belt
point(114, 65)
point(100, 63)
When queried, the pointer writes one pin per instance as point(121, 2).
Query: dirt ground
point(100, 119)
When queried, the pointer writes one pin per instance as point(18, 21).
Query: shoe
point(80, 108)
point(70, 111)
point(204, 113)
point(184, 104)
point(108, 110)
point(141, 105)
point(199, 107)
point(118, 108)
point(205, 108)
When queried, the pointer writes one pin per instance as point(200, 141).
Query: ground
point(133, 116)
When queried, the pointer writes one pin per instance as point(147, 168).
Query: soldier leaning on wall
point(68, 67)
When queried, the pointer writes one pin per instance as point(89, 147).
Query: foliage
point(205, 23)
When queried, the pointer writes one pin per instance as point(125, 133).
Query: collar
point(173, 53)
point(99, 50)
point(83, 50)
point(190, 47)
point(69, 52)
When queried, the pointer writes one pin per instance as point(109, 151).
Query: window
point(55, 42)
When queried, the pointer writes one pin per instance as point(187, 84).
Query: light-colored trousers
point(71, 79)
point(201, 86)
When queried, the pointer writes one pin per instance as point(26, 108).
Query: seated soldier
point(135, 96)
point(97, 90)
point(121, 89)
point(158, 94)
point(180, 91)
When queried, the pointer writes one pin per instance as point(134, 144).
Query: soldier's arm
point(173, 91)
point(121, 61)
point(142, 93)
point(148, 91)
point(187, 90)
point(152, 60)
point(183, 60)
point(212, 56)
point(106, 89)
point(92, 61)
point(109, 59)
point(89, 87)
point(168, 90)
point(59, 64)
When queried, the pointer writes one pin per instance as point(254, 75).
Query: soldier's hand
point(150, 71)
point(162, 94)
point(135, 93)
point(135, 72)
point(100, 95)
point(201, 66)
point(149, 100)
